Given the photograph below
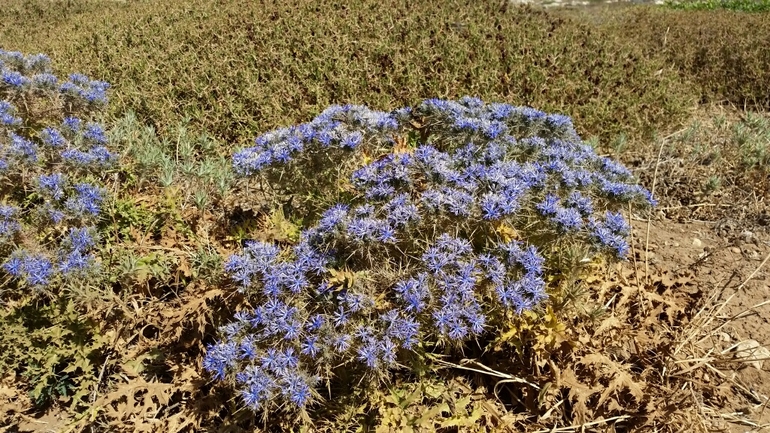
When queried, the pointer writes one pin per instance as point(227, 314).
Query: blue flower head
point(94, 133)
point(52, 185)
point(23, 149)
point(9, 225)
point(86, 201)
point(52, 137)
point(8, 115)
point(45, 81)
point(72, 124)
point(13, 79)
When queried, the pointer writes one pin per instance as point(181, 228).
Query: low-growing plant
point(723, 53)
point(735, 5)
point(237, 67)
point(752, 136)
point(449, 219)
point(50, 161)
point(53, 155)
point(54, 349)
point(193, 163)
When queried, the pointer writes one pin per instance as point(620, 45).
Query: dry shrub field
point(672, 339)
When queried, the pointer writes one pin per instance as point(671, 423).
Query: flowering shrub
point(452, 215)
point(50, 155)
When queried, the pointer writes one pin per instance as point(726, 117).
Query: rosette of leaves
point(453, 219)
point(52, 155)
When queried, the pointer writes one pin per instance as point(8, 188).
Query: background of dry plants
point(670, 341)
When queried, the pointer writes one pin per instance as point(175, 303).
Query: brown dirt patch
point(727, 265)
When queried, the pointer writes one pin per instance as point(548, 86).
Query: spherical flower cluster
point(56, 157)
point(343, 127)
point(422, 254)
point(32, 74)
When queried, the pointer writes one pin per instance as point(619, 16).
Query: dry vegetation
point(238, 68)
point(720, 51)
point(621, 348)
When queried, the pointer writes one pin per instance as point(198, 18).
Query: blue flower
point(14, 266)
point(259, 386)
point(311, 346)
point(52, 185)
point(457, 330)
point(477, 322)
point(401, 211)
point(341, 343)
point(368, 229)
point(37, 269)
point(580, 202)
point(615, 222)
point(334, 217)
point(402, 328)
point(71, 124)
point(45, 81)
point(55, 215)
point(457, 202)
point(315, 322)
point(568, 218)
point(549, 206)
point(531, 260)
point(52, 137)
point(492, 206)
point(37, 63)
point(609, 239)
point(87, 200)
point(494, 269)
point(388, 352)
point(559, 121)
point(352, 140)
point(7, 114)
point(23, 149)
point(9, 225)
point(614, 168)
point(219, 358)
point(471, 102)
point(95, 133)
point(13, 79)
point(297, 390)
point(357, 302)
point(369, 354)
point(341, 317)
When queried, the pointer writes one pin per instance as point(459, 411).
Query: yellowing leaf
point(507, 233)
point(426, 420)
point(284, 229)
point(343, 278)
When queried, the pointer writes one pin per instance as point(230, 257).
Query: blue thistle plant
point(50, 162)
point(419, 253)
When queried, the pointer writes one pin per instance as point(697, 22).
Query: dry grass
point(242, 68)
point(721, 51)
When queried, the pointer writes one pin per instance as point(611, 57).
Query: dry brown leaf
point(607, 324)
point(579, 393)
point(135, 400)
point(621, 378)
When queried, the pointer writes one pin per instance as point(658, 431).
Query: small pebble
point(736, 250)
point(697, 243)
